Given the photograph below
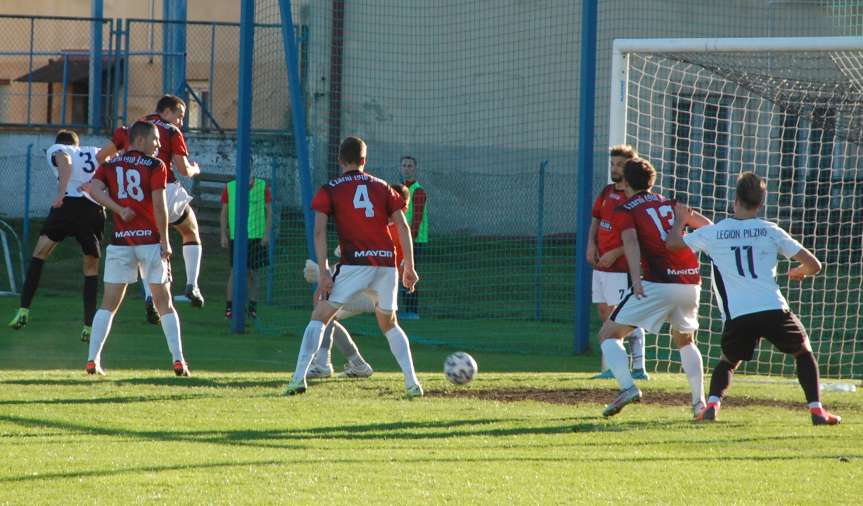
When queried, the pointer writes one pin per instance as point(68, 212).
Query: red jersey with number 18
point(361, 204)
point(131, 178)
point(651, 215)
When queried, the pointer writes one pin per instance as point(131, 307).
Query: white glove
point(311, 271)
point(338, 251)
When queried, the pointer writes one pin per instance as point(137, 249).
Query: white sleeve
point(53, 150)
point(786, 244)
point(697, 240)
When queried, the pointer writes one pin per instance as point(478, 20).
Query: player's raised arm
point(409, 276)
point(186, 167)
point(64, 171)
point(809, 265)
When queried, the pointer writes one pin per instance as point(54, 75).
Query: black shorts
point(258, 255)
point(80, 218)
point(780, 327)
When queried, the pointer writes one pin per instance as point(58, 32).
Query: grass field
point(527, 431)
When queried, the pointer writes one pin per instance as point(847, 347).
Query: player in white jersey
point(744, 251)
point(73, 214)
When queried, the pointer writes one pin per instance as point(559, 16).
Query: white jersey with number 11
point(744, 256)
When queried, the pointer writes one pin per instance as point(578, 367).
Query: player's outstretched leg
point(720, 381)
point(807, 375)
point(322, 365)
point(102, 320)
point(90, 294)
point(171, 327)
point(357, 367)
point(636, 344)
point(44, 247)
point(401, 350)
point(615, 356)
point(187, 225)
point(312, 337)
point(693, 366)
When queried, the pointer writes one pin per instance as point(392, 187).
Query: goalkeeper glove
point(311, 271)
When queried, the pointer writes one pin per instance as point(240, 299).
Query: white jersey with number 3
point(744, 256)
point(84, 165)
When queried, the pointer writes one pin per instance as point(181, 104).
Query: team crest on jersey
point(605, 225)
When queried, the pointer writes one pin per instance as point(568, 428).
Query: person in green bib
point(260, 220)
point(417, 217)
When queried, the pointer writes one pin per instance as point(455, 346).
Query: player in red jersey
point(168, 118)
point(132, 186)
point(669, 291)
point(360, 303)
point(605, 254)
point(361, 206)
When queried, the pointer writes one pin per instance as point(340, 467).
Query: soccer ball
point(460, 368)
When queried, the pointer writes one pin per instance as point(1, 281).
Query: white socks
point(310, 345)
point(690, 358)
point(147, 292)
point(400, 347)
point(192, 259)
point(171, 327)
point(323, 357)
point(636, 344)
point(101, 327)
point(618, 362)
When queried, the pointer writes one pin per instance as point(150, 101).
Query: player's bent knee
point(324, 311)
point(386, 319)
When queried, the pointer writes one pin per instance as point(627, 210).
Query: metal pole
point(27, 168)
point(179, 48)
point(95, 91)
point(298, 116)
point(212, 69)
point(30, 70)
point(271, 250)
point(126, 65)
point(540, 225)
point(587, 95)
point(167, 45)
point(115, 73)
point(65, 88)
point(244, 126)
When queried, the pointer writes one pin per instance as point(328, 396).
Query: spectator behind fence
point(259, 226)
point(417, 217)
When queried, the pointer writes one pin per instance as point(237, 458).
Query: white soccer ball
point(460, 368)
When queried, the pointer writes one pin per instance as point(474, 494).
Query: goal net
point(788, 109)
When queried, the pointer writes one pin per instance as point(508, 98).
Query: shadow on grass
point(107, 400)
point(171, 381)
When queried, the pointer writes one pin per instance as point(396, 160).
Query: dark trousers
point(410, 301)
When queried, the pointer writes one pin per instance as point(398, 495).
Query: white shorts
point(177, 199)
point(609, 287)
point(673, 302)
point(122, 263)
point(380, 282)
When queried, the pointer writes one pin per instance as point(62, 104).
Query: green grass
point(228, 436)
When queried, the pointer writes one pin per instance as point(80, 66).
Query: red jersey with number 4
point(608, 237)
point(361, 205)
point(170, 137)
point(651, 215)
point(131, 178)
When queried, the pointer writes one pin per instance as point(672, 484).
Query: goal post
point(788, 109)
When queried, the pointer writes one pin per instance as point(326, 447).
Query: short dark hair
point(409, 157)
point(624, 150)
point(169, 102)
point(140, 129)
point(352, 151)
point(401, 190)
point(639, 174)
point(751, 190)
point(67, 137)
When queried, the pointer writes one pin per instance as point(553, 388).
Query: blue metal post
point(210, 101)
point(167, 46)
point(178, 31)
point(30, 69)
point(244, 127)
point(584, 183)
point(27, 168)
point(118, 64)
point(540, 238)
point(95, 91)
point(298, 115)
point(126, 66)
point(65, 88)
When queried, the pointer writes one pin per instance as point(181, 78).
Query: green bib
point(423, 232)
point(257, 208)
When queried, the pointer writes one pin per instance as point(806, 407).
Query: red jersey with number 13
point(608, 237)
point(131, 178)
point(361, 204)
point(651, 215)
